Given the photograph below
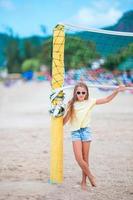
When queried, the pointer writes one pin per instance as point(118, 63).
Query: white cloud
point(7, 4)
point(97, 15)
point(93, 18)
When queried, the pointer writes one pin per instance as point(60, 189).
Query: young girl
point(78, 114)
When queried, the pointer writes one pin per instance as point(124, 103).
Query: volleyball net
point(97, 56)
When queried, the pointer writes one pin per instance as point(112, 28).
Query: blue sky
point(26, 16)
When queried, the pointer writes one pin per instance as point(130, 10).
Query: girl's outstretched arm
point(110, 97)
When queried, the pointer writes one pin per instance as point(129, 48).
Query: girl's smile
point(81, 93)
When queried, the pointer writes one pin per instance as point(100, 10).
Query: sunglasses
point(83, 93)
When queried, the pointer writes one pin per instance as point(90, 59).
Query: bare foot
point(83, 186)
point(92, 181)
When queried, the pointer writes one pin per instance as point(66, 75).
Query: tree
point(13, 56)
point(45, 56)
point(114, 60)
point(28, 49)
point(30, 65)
point(43, 29)
point(77, 52)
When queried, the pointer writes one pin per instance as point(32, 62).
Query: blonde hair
point(70, 109)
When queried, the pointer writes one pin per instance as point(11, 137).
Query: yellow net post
point(56, 159)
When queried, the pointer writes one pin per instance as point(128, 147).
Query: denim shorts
point(83, 134)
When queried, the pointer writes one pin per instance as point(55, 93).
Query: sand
point(25, 147)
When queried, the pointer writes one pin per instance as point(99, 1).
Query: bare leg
point(77, 148)
point(85, 153)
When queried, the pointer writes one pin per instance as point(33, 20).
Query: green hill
point(109, 44)
point(106, 44)
point(125, 23)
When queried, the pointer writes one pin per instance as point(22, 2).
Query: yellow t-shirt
point(82, 114)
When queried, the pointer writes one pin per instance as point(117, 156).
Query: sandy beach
point(25, 147)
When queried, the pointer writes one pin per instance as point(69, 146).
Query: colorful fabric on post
point(57, 105)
